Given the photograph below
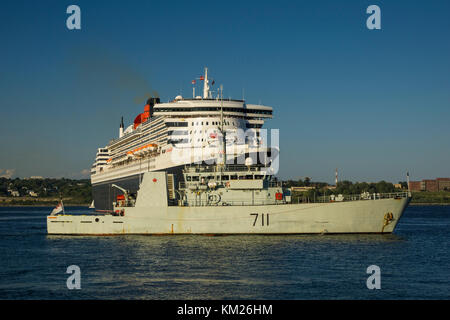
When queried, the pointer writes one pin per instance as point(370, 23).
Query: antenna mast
point(407, 181)
point(206, 85)
point(224, 147)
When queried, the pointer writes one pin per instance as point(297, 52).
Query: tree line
point(78, 190)
point(344, 187)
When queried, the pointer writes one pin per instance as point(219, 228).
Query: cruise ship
point(168, 136)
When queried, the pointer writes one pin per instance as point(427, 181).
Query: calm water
point(414, 262)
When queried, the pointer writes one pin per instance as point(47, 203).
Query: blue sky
point(373, 103)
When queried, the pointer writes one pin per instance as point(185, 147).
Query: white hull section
point(363, 216)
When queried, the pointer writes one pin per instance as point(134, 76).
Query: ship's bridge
point(212, 107)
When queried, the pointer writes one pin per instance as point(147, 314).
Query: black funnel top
point(152, 101)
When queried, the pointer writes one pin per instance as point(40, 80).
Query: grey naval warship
point(191, 170)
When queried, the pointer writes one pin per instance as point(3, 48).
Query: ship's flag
point(193, 81)
point(202, 78)
point(212, 83)
point(59, 208)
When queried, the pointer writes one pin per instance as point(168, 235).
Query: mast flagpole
point(62, 203)
point(224, 147)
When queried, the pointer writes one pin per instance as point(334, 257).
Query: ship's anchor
point(388, 217)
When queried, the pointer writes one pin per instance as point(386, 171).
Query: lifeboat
point(143, 150)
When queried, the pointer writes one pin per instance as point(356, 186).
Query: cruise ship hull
point(104, 194)
point(362, 216)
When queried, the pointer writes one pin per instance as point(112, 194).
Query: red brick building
point(443, 184)
point(415, 186)
point(430, 185)
point(439, 184)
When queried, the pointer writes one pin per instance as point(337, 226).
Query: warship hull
point(154, 213)
point(364, 216)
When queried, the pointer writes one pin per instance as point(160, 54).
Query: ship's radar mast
point(206, 85)
point(223, 161)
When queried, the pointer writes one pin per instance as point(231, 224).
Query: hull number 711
point(264, 219)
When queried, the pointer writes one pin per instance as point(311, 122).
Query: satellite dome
point(248, 161)
point(178, 98)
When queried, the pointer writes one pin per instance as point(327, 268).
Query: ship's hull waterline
point(363, 216)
